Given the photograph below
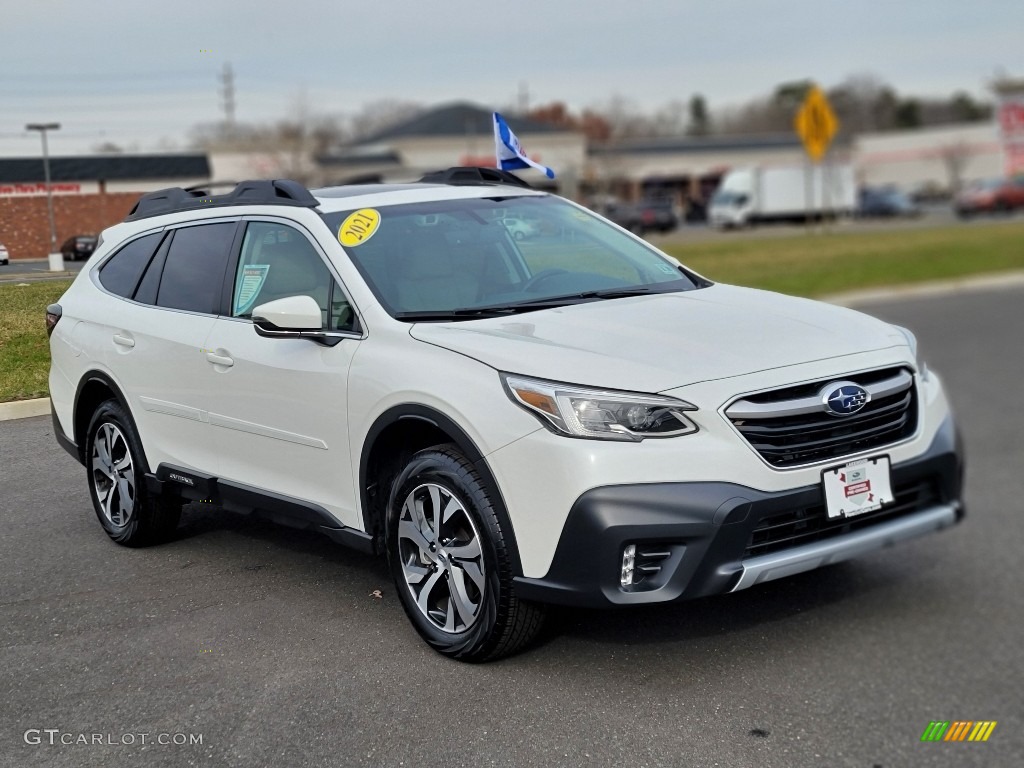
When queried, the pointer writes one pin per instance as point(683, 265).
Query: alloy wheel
point(441, 558)
point(113, 474)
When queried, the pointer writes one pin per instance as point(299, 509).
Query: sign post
point(1010, 114)
point(816, 124)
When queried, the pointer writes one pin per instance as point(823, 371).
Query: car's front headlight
point(600, 414)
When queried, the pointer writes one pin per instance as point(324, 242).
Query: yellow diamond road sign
point(816, 123)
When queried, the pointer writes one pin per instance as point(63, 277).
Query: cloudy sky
point(141, 74)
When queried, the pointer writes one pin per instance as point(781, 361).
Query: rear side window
point(193, 275)
point(122, 271)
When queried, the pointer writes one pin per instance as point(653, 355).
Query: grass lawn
point(24, 348)
point(812, 264)
point(817, 264)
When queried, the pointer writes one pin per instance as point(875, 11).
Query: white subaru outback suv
point(572, 418)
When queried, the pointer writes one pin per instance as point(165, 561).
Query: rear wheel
point(115, 466)
point(449, 557)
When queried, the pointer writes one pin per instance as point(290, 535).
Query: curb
point(974, 283)
point(24, 409)
point(11, 277)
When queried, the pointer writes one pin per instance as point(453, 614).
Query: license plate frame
point(857, 487)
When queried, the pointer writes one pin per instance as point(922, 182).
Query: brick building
point(89, 194)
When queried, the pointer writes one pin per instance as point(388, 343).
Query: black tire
point(502, 624)
point(140, 518)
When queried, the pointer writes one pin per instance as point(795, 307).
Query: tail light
point(53, 313)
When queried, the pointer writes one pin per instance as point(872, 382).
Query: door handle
point(216, 359)
point(124, 341)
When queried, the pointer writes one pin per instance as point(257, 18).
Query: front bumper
point(704, 533)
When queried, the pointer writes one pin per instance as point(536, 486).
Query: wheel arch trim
point(444, 423)
point(107, 381)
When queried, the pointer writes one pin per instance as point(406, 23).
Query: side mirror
point(293, 317)
point(293, 313)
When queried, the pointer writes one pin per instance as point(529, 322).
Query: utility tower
point(227, 92)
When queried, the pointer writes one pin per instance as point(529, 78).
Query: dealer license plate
point(858, 487)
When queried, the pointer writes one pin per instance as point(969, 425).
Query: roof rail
point(470, 175)
point(257, 192)
point(211, 185)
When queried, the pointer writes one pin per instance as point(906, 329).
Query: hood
point(659, 342)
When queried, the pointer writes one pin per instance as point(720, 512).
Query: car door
point(278, 406)
point(155, 341)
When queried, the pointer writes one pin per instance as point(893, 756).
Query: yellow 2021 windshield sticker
point(359, 227)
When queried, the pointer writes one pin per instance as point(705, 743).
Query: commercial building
point(89, 194)
point(939, 159)
point(449, 135)
point(92, 192)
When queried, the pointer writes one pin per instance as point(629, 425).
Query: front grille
point(791, 427)
point(807, 524)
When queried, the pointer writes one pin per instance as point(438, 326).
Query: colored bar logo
point(958, 730)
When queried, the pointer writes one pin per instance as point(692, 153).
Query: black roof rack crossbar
point(257, 192)
point(471, 175)
point(211, 185)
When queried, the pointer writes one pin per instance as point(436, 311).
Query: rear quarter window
point(122, 271)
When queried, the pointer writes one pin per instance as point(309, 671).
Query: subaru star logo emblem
point(844, 398)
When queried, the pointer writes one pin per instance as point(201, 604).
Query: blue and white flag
point(510, 152)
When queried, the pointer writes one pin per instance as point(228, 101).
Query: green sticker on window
point(252, 280)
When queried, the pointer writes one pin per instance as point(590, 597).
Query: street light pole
point(43, 128)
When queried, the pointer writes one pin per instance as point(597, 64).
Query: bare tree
point(670, 119)
point(863, 102)
point(954, 157)
point(624, 118)
point(377, 116)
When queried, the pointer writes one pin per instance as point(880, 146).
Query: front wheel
point(115, 464)
point(450, 560)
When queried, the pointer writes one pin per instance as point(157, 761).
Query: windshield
point(729, 197)
point(459, 259)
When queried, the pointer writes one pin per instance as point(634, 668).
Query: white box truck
point(783, 193)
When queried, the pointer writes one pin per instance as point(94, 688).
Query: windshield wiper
point(615, 293)
point(455, 314)
point(549, 302)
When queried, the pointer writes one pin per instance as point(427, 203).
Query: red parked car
point(991, 196)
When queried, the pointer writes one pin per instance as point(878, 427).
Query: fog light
point(628, 557)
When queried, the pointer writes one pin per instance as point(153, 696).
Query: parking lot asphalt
point(35, 270)
point(270, 645)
